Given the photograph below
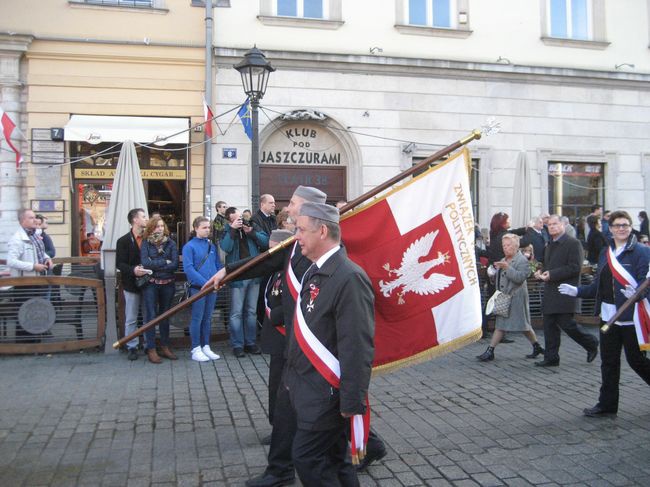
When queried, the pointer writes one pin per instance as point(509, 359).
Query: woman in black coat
point(596, 241)
point(644, 225)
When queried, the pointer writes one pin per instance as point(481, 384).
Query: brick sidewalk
point(89, 419)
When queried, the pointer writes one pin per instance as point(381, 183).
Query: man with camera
point(239, 241)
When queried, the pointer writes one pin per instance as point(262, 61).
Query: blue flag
point(245, 117)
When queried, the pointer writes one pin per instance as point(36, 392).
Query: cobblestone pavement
point(91, 419)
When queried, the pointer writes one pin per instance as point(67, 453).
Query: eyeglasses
point(620, 226)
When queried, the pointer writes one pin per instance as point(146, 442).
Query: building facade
point(102, 73)
point(360, 95)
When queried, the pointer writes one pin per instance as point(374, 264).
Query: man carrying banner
point(621, 268)
point(330, 354)
point(279, 470)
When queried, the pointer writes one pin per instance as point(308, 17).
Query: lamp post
point(255, 71)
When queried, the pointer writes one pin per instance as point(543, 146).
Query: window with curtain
point(432, 13)
point(309, 9)
point(570, 19)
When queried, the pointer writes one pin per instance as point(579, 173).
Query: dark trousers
point(610, 352)
point(554, 324)
point(280, 460)
point(276, 366)
point(321, 458)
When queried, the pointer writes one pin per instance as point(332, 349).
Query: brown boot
point(167, 353)
point(153, 356)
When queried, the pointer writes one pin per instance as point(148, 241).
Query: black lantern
point(255, 70)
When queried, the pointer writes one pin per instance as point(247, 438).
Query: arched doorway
point(306, 147)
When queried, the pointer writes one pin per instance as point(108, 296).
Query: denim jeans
point(132, 302)
point(201, 322)
point(243, 316)
point(157, 299)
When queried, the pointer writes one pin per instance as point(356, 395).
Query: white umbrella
point(127, 193)
point(522, 208)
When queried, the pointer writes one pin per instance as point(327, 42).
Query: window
point(432, 13)
point(574, 187)
point(318, 14)
point(570, 19)
point(123, 3)
point(574, 23)
point(311, 9)
point(442, 18)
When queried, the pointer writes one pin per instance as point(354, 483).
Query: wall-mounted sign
point(229, 153)
point(45, 150)
point(303, 144)
point(109, 173)
point(53, 210)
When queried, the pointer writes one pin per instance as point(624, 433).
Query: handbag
point(499, 304)
point(142, 281)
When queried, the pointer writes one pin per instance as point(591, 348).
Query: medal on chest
point(313, 294)
point(276, 287)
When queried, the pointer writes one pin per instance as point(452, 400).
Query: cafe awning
point(145, 130)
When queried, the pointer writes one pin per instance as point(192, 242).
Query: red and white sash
point(641, 308)
point(328, 366)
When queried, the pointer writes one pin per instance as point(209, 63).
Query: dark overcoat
point(341, 317)
point(127, 258)
point(563, 261)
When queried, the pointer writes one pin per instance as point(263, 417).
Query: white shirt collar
point(323, 258)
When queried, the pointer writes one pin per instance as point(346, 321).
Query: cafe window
point(574, 187)
point(164, 177)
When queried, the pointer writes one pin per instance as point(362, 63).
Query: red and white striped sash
point(641, 308)
point(329, 368)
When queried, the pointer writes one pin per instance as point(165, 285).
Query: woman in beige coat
point(510, 276)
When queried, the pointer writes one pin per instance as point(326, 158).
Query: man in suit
point(562, 265)
point(335, 309)
point(127, 260)
point(280, 469)
point(264, 219)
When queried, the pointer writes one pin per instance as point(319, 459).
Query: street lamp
point(255, 71)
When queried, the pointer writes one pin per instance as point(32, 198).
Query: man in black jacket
point(562, 265)
point(264, 219)
point(336, 310)
point(535, 237)
point(127, 260)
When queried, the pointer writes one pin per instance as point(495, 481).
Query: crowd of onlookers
point(553, 251)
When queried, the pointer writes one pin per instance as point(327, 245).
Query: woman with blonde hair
point(159, 254)
point(510, 274)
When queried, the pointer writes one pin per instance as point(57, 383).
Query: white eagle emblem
point(410, 275)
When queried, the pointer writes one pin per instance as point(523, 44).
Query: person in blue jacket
point(630, 259)
point(240, 241)
point(159, 254)
point(201, 262)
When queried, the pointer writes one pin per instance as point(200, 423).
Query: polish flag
point(8, 127)
point(416, 243)
point(208, 116)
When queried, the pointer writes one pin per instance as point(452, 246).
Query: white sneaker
point(207, 351)
point(199, 356)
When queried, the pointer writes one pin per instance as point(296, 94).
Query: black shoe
point(591, 355)
point(507, 340)
point(268, 480)
point(487, 355)
point(252, 349)
point(598, 412)
point(132, 354)
point(238, 352)
point(548, 363)
point(371, 456)
point(537, 350)
point(266, 440)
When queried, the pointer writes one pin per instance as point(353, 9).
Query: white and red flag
point(208, 116)
point(8, 127)
point(416, 243)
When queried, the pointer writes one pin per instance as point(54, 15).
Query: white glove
point(568, 290)
point(491, 271)
point(628, 292)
